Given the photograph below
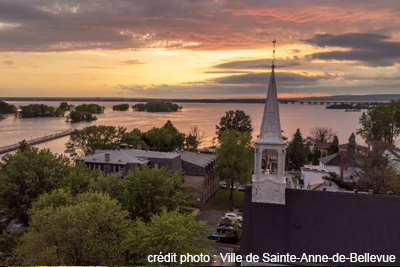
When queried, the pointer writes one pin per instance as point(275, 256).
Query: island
point(157, 106)
point(6, 108)
point(121, 107)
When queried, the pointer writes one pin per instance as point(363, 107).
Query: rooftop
point(199, 159)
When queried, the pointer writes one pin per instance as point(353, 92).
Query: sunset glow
point(197, 49)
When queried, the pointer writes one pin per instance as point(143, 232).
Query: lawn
point(220, 201)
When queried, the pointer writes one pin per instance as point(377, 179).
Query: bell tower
point(268, 180)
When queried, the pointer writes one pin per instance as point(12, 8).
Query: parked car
point(221, 238)
point(223, 185)
point(224, 229)
point(225, 222)
point(233, 216)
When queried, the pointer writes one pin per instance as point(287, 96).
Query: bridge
point(329, 102)
point(36, 141)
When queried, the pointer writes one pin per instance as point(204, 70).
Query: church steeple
point(269, 183)
point(271, 125)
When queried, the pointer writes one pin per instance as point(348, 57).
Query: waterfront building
point(201, 179)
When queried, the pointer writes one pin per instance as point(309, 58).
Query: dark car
point(224, 229)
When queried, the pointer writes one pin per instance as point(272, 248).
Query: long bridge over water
point(36, 141)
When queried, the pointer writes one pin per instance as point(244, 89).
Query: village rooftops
point(121, 157)
point(139, 153)
point(198, 159)
point(335, 160)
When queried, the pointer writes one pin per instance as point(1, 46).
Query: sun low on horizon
point(198, 49)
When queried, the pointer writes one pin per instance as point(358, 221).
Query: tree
point(148, 191)
point(95, 137)
point(378, 173)
point(167, 232)
point(27, 174)
point(6, 108)
point(322, 134)
point(316, 157)
point(235, 158)
point(381, 123)
point(296, 151)
point(134, 138)
point(234, 121)
point(77, 116)
point(194, 138)
point(84, 230)
point(334, 145)
point(166, 138)
point(23, 145)
point(351, 147)
point(8, 241)
point(121, 107)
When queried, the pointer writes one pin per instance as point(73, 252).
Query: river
point(203, 115)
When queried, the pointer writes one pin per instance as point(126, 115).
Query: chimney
point(107, 157)
point(342, 164)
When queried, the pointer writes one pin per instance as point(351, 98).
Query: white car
point(233, 216)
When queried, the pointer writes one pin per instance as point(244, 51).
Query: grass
point(220, 201)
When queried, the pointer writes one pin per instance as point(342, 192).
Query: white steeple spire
point(271, 126)
point(269, 183)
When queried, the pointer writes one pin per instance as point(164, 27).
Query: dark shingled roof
point(335, 159)
point(317, 222)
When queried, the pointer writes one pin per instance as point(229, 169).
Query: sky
point(198, 48)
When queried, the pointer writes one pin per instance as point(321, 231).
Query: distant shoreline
point(361, 98)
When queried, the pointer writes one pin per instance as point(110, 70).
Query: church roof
point(322, 223)
point(335, 160)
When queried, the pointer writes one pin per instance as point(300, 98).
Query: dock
point(36, 141)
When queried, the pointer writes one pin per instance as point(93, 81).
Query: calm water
point(203, 115)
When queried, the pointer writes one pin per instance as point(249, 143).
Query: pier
point(36, 141)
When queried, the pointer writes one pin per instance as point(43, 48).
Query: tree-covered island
point(157, 106)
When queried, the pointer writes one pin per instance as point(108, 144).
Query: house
point(312, 175)
point(362, 150)
point(282, 221)
point(393, 154)
point(201, 179)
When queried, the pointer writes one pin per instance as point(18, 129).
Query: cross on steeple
point(273, 54)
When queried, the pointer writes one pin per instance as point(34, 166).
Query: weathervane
point(273, 56)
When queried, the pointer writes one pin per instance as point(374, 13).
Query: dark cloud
point(367, 48)
point(257, 64)
point(67, 25)
point(285, 78)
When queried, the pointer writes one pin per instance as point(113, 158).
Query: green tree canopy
point(334, 145)
point(235, 159)
point(27, 174)
point(135, 139)
point(351, 147)
point(6, 108)
point(167, 232)
point(92, 108)
point(381, 123)
point(149, 190)
point(157, 106)
point(84, 230)
point(95, 137)
point(296, 151)
point(378, 172)
point(121, 107)
point(236, 120)
point(166, 138)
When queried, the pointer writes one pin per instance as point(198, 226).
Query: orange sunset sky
point(198, 48)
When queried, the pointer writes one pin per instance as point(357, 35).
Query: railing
point(36, 141)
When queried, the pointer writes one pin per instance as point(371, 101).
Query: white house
point(312, 175)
